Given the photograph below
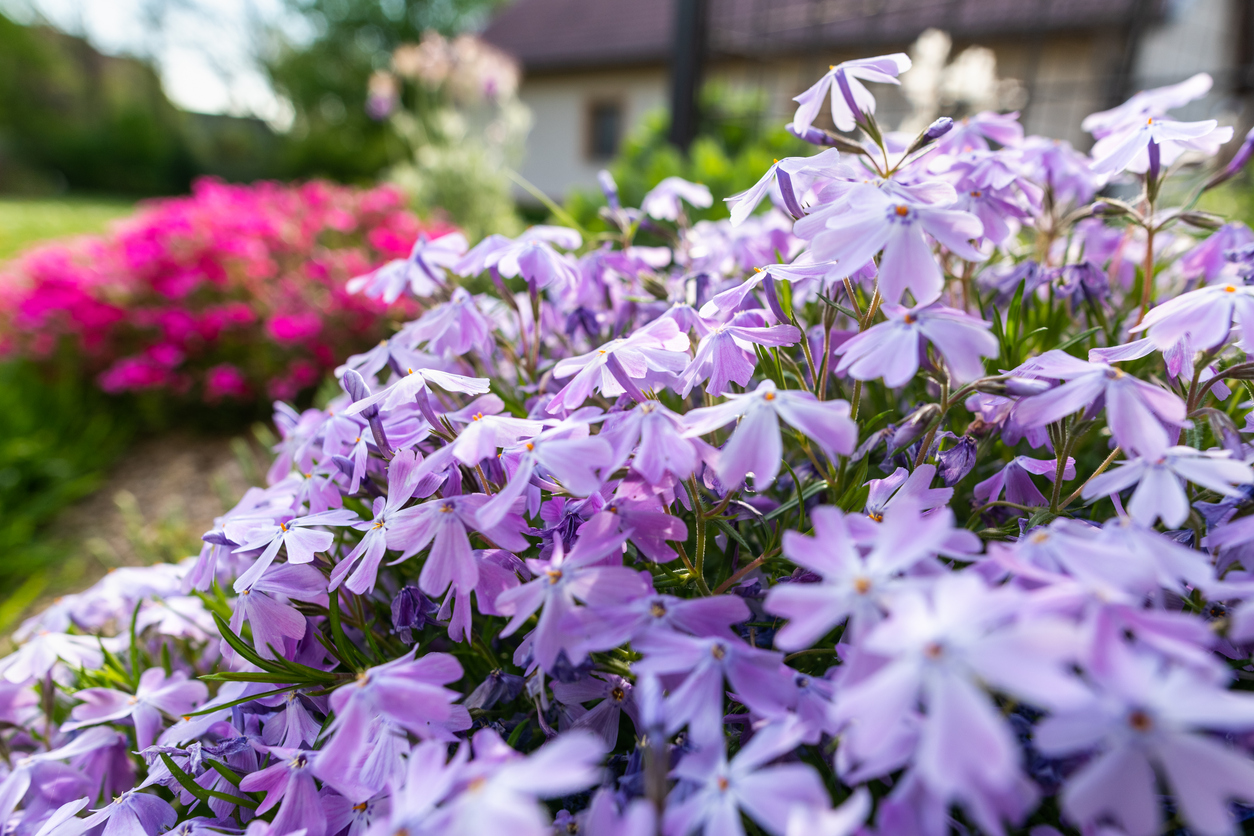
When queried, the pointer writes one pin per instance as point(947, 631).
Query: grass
point(26, 221)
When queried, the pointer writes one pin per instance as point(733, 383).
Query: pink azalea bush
point(917, 504)
point(231, 293)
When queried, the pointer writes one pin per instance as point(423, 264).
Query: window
point(605, 128)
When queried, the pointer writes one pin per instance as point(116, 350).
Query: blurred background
point(130, 408)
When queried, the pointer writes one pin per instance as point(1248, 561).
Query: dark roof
point(554, 35)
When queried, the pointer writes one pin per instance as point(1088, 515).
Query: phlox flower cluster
point(232, 293)
point(914, 503)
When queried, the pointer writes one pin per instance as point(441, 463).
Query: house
point(593, 68)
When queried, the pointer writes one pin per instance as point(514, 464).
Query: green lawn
point(25, 221)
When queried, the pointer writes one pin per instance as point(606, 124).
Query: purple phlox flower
point(530, 255)
point(1135, 410)
point(851, 101)
point(301, 542)
point(422, 274)
point(1207, 259)
point(157, 695)
point(877, 220)
point(1005, 279)
point(972, 133)
point(903, 486)
point(1146, 719)
point(498, 570)
point(387, 529)
point(592, 573)
point(1238, 162)
point(714, 791)
point(443, 524)
point(270, 618)
point(133, 813)
point(1016, 480)
point(1136, 147)
point(429, 776)
point(647, 359)
point(845, 820)
point(663, 200)
point(726, 354)
point(17, 782)
point(652, 436)
point(757, 676)
point(792, 178)
point(406, 692)
point(603, 719)
point(733, 298)
point(603, 818)
point(891, 349)
point(345, 817)
point(1147, 103)
point(943, 644)
point(414, 386)
point(294, 724)
point(289, 783)
point(755, 446)
point(1205, 315)
point(484, 430)
point(1160, 491)
point(565, 452)
point(498, 793)
point(954, 463)
point(453, 327)
point(1056, 165)
point(646, 523)
point(610, 626)
point(853, 584)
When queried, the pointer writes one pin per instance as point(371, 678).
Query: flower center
point(876, 515)
point(911, 319)
point(769, 396)
point(359, 808)
point(1140, 721)
point(1229, 289)
point(1039, 537)
point(902, 210)
point(555, 575)
point(723, 784)
point(530, 446)
point(718, 652)
point(618, 694)
point(477, 416)
point(657, 609)
point(861, 585)
point(446, 508)
point(933, 650)
point(976, 193)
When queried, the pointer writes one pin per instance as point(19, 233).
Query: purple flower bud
point(1023, 387)
point(1237, 162)
point(914, 426)
point(956, 462)
point(939, 128)
point(1155, 162)
point(813, 135)
point(609, 188)
point(411, 611)
point(497, 687)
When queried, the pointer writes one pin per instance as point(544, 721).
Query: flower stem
point(1100, 469)
point(698, 560)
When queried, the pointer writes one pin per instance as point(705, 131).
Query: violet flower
point(1206, 316)
point(603, 719)
point(289, 784)
point(422, 274)
point(1016, 480)
point(891, 349)
point(852, 585)
point(133, 813)
point(300, 542)
point(663, 200)
point(1135, 410)
point(647, 359)
point(877, 220)
point(797, 173)
point(271, 620)
point(454, 327)
point(755, 447)
point(1160, 491)
point(851, 101)
point(726, 354)
point(1145, 720)
point(156, 695)
point(1135, 148)
point(530, 255)
point(716, 790)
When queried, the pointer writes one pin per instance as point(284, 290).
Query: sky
point(204, 50)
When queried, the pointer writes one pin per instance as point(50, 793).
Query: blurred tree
point(325, 77)
point(72, 117)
